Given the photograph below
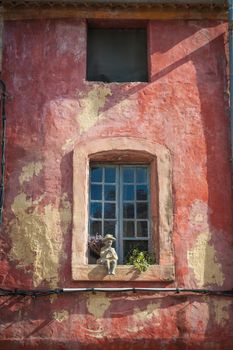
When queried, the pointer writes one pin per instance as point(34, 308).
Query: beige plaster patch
point(152, 310)
point(91, 105)
point(140, 317)
point(30, 170)
point(97, 304)
point(202, 259)
point(37, 237)
point(61, 316)
point(222, 311)
point(68, 145)
point(65, 212)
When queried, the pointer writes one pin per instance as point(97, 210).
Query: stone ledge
point(155, 273)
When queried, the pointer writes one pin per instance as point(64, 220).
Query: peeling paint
point(68, 145)
point(142, 316)
point(221, 309)
point(152, 310)
point(30, 170)
point(202, 259)
point(65, 212)
point(61, 316)
point(37, 237)
point(97, 304)
point(91, 105)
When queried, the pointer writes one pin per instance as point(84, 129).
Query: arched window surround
point(124, 149)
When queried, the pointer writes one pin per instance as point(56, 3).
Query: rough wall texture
point(185, 108)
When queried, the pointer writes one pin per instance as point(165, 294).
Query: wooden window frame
point(124, 149)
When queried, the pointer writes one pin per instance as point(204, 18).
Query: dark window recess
point(117, 55)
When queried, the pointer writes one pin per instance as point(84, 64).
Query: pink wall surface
point(184, 107)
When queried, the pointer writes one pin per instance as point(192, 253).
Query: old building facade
point(138, 149)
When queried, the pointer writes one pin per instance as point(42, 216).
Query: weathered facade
point(55, 117)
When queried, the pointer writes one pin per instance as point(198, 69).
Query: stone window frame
point(124, 149)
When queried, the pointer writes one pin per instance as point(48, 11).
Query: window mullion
point(119, 214)
point(103, 199)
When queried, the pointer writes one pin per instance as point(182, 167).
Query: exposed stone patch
point(37, 237)
point(202, 259)
point(140, 317)
point(91, 105)
point(221, 309)
point(30, 170)
point(97, 304)
point(61, 316)
point(65, 212)
point(68, 145)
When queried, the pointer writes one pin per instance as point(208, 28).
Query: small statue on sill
point(108, 255)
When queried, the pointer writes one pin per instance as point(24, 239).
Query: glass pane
point(96, 192)
point(110, 174)
point(129, 246)
point(110, 192)
point(141, 175)
point(96, 174)
point(95, 228)
point(128, 210)
point(96, 210)
point(142, 210)
point(128, 229)
point(128, 175)
point(128, 192)
point(142, 229)
point(109, 210)
point(109, 227)
point(142, 192)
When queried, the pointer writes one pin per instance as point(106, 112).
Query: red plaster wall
point(185, 108)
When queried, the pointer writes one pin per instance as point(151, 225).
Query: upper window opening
point(117, 55)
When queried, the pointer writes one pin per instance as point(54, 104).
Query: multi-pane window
point(120, 205)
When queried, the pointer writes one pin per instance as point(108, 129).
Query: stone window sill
point(123, 273)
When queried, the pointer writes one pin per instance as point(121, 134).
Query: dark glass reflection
point(96, 210)
point(142, 229)
point(141, 192)
point(96, 192)
point(95, 228)
point(128, 175)
point(109, 192)
point(141, 175)
point(128, 229)
point(110, 175)
point(109, 210)
point(142, 210)
point(128, 192)
point(109, 227)
point(128, 210)
point(96, 174)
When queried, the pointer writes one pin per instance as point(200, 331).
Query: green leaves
point(140, 260)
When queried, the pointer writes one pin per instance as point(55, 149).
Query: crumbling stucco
point(202, 259)
point(97, 304)
point(221, 309)
point(61, 316)
point(91, 105)
point(37, 237)
point(30, 170)
point(140, 317)
point(68, 145)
